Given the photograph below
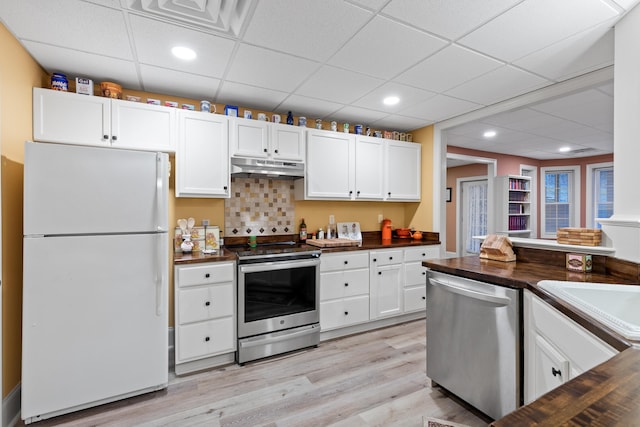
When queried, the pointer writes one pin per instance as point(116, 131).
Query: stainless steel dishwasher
point(473, 341)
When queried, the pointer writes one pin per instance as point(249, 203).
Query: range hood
point(262, 168)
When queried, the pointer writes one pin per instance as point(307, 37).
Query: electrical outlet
point(205, 222)
point(379, 218)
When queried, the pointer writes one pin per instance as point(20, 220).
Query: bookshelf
point(513, 205)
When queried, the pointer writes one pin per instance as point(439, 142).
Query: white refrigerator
point(96, 265)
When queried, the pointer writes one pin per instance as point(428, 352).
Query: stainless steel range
point(278, 299)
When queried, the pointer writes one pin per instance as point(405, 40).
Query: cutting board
point(498, 248)
point(332, 243)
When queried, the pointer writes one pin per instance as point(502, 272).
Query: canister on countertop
point(579, 262)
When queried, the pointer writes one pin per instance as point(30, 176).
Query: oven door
point(277, 295)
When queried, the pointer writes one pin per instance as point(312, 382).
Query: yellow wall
point(18, 75)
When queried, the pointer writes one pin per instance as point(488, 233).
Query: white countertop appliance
point(95, 277)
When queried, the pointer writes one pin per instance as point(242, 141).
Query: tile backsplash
point(259, 207)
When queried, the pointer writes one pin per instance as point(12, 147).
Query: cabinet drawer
point(344, 261)
point(421, 253)
point(582, 348)
point(415, 298)
point(205, 274)
point(205, 339)
point(340, 284)
point(415, 274)
point(344, 312)
point(204, 303)
point(385, 258)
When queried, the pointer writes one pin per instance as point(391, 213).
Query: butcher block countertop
point(607, 395)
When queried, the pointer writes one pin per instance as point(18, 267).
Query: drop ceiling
point(337, 59)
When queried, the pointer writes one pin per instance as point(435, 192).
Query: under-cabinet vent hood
point(262, 168)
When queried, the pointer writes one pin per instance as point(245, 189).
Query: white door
point(94, 319)
point(249, 138)
point(330, 165)
point(369, 170)
point(403, 170)
point(287, 142)
point(142, 126)
point(473, 208)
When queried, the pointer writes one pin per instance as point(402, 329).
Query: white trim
point(575, 201)
point(534, 198)
point(590, 220)
point(11, 407)
point(460, 249)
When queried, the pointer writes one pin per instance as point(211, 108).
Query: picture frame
point(448, 194)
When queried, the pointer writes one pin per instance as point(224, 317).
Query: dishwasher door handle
point(493, 299)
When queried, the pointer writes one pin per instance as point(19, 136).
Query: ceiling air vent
point(580, 151)
point(226, 16)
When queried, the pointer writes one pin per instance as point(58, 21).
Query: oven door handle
point(272, 340)
point(469, 293)
point(278, 265)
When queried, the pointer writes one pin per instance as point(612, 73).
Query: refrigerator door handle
point(160, 279)
point(161, 193)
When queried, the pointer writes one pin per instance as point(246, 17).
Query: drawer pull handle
point(346, 313)
point(346, 284)
point(555, 371)
point(375, 259)
point(208, 303)
point(390, 258)
point(105, 136)
point(424, 255)
point(346, 262)
point(379, 273)
point(424, 273)
point(206, 339)
point(115, 137)
point(207, 275)
point(424, 297)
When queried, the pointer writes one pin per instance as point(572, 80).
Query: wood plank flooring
point(372, 379)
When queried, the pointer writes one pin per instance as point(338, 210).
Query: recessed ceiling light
point(564, 149)
point(489, 134)
point(183, 53)
point(391, 100)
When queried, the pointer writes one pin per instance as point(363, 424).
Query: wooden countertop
point(607, 395)
point(196, 257)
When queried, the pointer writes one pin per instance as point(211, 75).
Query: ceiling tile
point(306, 28)
point(571, 57)
point(79, 64)
point(356, 115)
point(337, 85)
point(500, 84)
point(400, 123)
point(384, 48)
point(154, 40)
point(440, 107)
point(154, 79)
point(309, 107)
point(448, 68)
point(450, 19)
point(256, 97)
point(77, 25)
point(261, 67)
point(408, 96)
point(591, 104)
point(533, 25)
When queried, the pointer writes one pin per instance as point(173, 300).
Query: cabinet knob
point(275, 151)
point(346, 313)
point(358, 192)
point(208, 303)
point(379, 273)
point(390, 258)
point(424, 273)
point(114, 137)
point(375, 259)
point(206, 339)
point(424, 255)
point(350, 192)
point(207, 275)
point(346, 284)
point(424, 297)
point(346, 262)
point(264, 149)
point(105, 136)
point(555, 371)
point(224, 188)
point(389, 193)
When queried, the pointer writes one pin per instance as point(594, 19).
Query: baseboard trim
point(11, 407)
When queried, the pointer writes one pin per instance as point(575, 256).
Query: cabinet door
point(287, 142)
point(414, 274)
point(386, 291)
point(141, 126)
point(341, 284)
point(205, 303)
point(71, 118)
point(403, 171)
point(249, 138)
point(330, 170)
point(205, 339)
point(415, 298)
point(369, 168)
point(202, 159)
point(344, 312)
point(551, 367)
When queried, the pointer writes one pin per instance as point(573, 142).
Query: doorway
point(473, 213)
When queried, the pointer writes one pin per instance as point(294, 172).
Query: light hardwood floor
point(372, 379)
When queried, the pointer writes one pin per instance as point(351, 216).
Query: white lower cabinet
point(557, 349)
point(205, 320)
point(415, 276)
point(344, 289)
point(386, 282)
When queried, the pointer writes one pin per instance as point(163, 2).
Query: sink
point(616, 306)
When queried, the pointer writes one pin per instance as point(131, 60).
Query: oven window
point(279, 292)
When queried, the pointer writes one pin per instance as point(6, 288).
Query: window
point(561, 200)
point(599, 193)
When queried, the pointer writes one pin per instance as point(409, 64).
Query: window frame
point(590, 202)
point(574, 198)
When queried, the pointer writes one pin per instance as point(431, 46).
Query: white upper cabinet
point(369, 168)
point(202, 158)
point(403, 171)
point(263, 140)
point(92, 120)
